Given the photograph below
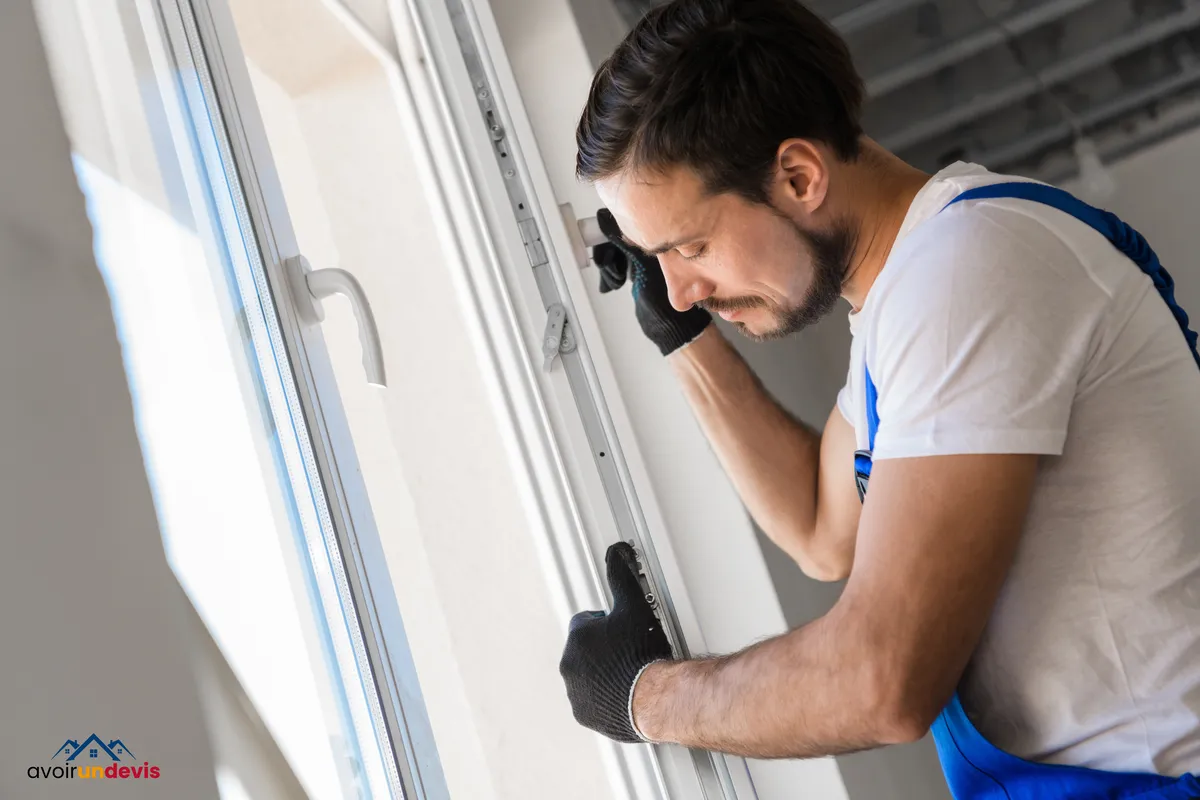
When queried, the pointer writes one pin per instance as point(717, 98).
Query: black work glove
point(605, 653)
point(662, 324)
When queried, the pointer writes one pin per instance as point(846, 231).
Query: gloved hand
point(606, 653)
point(662, 324)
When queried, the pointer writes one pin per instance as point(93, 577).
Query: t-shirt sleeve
point(980, 338)
point(845, 399)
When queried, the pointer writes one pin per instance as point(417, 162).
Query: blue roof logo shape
point(115, 743)
point(73, 748)
point(69, 746)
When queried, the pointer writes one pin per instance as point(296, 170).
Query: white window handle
point(310, 286)
point(583, 233)
point(589, 231)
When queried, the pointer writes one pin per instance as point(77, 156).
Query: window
point(93, 752)
point(220, 491)
point(239, 484)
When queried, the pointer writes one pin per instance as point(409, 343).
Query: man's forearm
point(771, 458)
point(801, 695)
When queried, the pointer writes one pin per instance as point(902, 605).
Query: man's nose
point(685, 288)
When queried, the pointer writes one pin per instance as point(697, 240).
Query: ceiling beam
point(1129, 102)
point(962, 113)
point(1150, 132)
point(963, 48)
point(869, 13)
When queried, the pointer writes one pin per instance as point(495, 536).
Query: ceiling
point(1013, 83)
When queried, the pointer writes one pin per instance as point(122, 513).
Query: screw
point(508, 173)
point(483, 94)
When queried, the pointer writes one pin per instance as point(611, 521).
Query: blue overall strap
point(976, 769)
point(862, 458)
point(1109, 225)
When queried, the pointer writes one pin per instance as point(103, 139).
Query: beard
point(830, 253)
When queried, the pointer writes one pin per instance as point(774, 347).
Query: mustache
point(716, 305)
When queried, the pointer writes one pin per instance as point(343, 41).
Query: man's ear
point(801, 179)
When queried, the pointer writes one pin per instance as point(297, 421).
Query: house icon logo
point(93, 757)
point(94, 748)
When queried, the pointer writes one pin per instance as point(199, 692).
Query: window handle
point(584, 233)
point(589, 231)
point(309, 287)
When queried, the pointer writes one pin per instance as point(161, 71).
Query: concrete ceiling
point(1012, 83)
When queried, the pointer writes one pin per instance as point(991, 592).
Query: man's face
point(747, 262)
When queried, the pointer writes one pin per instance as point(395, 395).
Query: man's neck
point(881, 190)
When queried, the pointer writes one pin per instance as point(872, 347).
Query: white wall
point(600, 26)
point(244, 748)
point(89, 612)
point(1158, 192)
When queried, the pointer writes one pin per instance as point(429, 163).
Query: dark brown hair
point(717, 85)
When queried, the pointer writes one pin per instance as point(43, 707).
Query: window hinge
point(557, 337)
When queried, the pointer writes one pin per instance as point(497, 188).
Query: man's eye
point(699, 252)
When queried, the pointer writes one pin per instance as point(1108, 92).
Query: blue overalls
point(974, 768)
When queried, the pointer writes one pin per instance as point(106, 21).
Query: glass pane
point(244, 519)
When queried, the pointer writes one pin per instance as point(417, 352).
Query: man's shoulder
point(986, 231)
point(995, 248)
point(999, 224)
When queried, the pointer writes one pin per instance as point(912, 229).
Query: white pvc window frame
point(370, 643)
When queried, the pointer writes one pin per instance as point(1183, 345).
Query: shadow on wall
point(805, 373)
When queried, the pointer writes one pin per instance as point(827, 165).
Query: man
point(1023, 574)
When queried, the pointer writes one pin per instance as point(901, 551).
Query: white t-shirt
point(1006, 326)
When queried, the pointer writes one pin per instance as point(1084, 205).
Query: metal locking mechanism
point(557, 337)
point(644, 581)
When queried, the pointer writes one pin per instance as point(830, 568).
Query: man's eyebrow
point(658, 250)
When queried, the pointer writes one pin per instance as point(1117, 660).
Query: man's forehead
point(655, 209)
